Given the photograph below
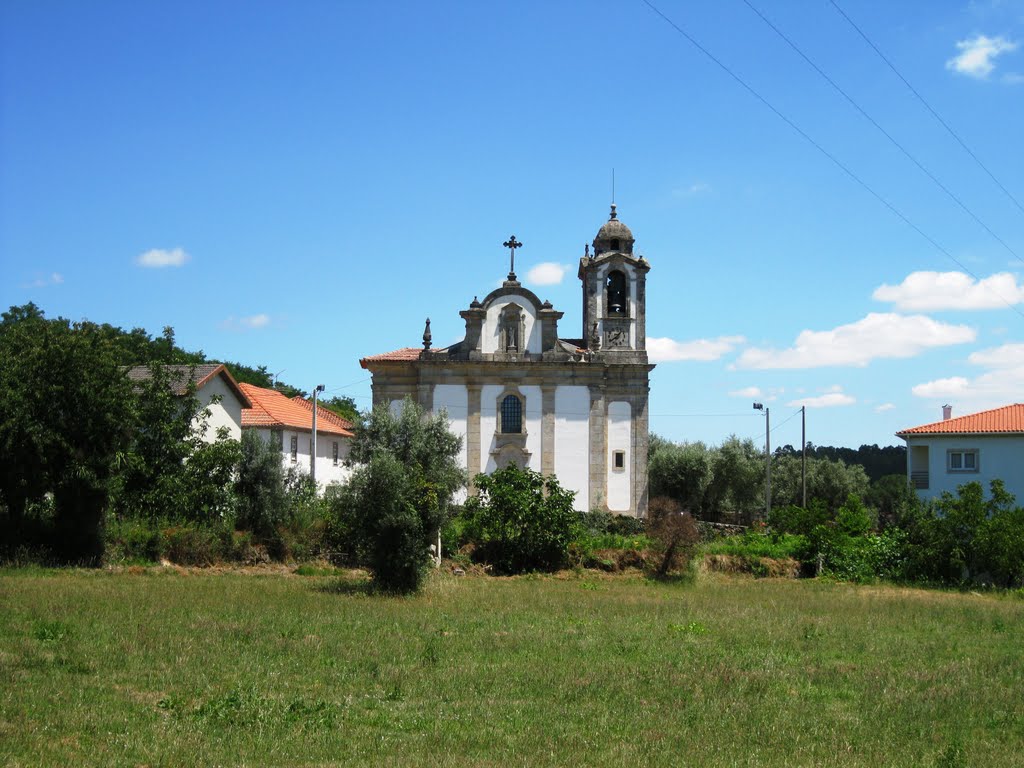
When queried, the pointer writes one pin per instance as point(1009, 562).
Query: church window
point(511, 415)
point(616, 293)
point(615, 244)
point(619, 460)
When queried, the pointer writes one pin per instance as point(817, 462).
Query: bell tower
point(615, 294)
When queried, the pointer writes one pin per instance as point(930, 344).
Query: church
point(519, 393)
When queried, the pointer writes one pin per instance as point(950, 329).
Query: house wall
point(999, 456)
point(327, 471)
point(226, 413)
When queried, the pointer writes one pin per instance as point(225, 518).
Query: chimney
point(947, 412)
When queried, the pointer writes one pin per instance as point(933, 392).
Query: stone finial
point(614, 214)
point(426, 335)
point(475, 303)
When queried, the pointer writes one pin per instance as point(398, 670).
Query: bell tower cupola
point(614, 293)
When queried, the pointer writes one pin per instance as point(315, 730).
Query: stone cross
point(512, 244)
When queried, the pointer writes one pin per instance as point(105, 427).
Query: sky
point(299, 185)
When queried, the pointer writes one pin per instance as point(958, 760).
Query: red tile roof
point(272, 409)
point(1008, 419)
point(406, 353)
point(323, 414)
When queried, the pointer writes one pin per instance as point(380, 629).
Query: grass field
point(164, 667)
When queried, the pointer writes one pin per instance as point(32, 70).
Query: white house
point(518, 393)
point(980, 447)
point(288, 423)
point(216, 390)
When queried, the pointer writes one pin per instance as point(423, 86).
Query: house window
point(619, 461)
point(616, 293)
point(334, 453)
point(511, 415)
point(295, 448)
point(963, 461)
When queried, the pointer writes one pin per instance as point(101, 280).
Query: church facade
point(517, 392)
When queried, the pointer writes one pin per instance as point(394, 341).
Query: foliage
point(757, 544)
point(521, 521)
point(343, 406)
point(878, 462)
point(260, 485)
point(398, 499)
point(682, 472)
point(675, 534)
point(64, 419)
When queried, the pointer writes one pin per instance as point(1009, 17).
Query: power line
point(928, 106)
point(896, 212)
point(884, 132)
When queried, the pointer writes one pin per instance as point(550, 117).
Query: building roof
point(404, 354)
point(201, 374)
point(272, 409)
point(323, 414)
point(1006, 420)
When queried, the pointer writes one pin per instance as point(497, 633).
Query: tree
point(675, 533)
point(522, 521)
point(681, 472)
point(65, 416)
point(260, 484)
point(399, 497)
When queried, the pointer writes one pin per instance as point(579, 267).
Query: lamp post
point(312, 448)
point(767, 458)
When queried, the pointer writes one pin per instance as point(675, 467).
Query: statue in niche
point(511, 328)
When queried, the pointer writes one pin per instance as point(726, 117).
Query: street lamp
point(312, 448)
point(767, 458)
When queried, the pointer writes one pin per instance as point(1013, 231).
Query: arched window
point(511, 415)
point(615, 244)
point(616, 293)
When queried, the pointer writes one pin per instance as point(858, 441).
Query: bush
point(675, 535)
point(522, 521)
point(260, 485)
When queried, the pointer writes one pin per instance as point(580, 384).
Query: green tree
point(260, 484)
point(399, 496)
point(65, 416)
point(682, 472)
point(522, 521)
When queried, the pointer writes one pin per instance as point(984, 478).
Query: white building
point(288, 423)
point(980, 447)
point(216, 390)
point(517, 393)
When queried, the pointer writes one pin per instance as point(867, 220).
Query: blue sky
point(300, 184)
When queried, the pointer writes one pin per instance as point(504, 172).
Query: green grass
point(162, 667)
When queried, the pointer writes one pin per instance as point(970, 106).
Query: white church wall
point(488, 425)
point(454, 399)
point(490, 334)
point(532, 422)
point(620, 481)
point(572, 442)
point(396, 408)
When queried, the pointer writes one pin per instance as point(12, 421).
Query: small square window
point(962, 460)
point(619, 460)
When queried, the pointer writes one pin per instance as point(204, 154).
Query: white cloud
point(54, 278)
point(546, 273)
point(1001, 384)
point(1006, 356)
point(878, 335)
point(158, 258)
point(977, 54)
point(747, 392)
point(930, 291)
point(692, 190)
point(829, 400)
point(249, 323)
point(665, 350)
point(884, 407)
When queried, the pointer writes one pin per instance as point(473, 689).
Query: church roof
point(272, 409)
point(1008, 419)
point(406, 353)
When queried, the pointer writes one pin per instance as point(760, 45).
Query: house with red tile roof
point(216, 389)
point(288, 423)
point(979, 447)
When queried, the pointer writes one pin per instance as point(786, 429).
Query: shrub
point(675, 535)
point(260, 485)
point(522, 521)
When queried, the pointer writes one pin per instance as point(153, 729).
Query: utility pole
point(312, 448)
point(767, 457)
point(803, 453)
